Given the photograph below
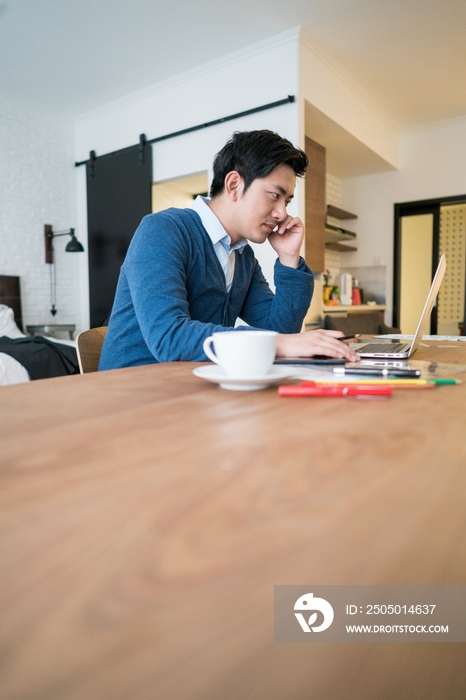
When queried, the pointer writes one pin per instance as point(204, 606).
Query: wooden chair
point(88, 347)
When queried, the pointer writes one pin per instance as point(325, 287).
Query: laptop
point(404, 350)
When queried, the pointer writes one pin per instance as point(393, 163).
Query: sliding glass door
point(423, 231)
point(416, 241)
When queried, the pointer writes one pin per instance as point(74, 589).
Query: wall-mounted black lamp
point(73, 246)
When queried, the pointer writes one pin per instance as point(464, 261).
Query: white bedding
point(12, 371)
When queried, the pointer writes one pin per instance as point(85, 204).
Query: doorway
point(424, 230)
point(179, 192)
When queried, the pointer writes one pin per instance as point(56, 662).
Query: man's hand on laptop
point(320, 342)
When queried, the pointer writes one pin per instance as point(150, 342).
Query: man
point(190, 272)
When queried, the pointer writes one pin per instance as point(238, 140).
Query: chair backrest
point(371, 323)
point(88, 347)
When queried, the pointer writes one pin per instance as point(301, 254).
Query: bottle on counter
point(356, 294)
point(346, 288)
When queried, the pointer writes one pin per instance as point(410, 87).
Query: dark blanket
point(41, 357)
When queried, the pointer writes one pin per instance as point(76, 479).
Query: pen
point(328, 391)
point(348, 337)
point(394, 383)
point(375, 372)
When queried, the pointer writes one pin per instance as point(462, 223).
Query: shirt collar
point(214, 227)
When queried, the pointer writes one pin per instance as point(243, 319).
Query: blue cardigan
point(171, 294)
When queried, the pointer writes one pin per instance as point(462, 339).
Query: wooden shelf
point(355, 309)
point(339, 239)
point(340, 247)
point(338, 213)
point(338, 233)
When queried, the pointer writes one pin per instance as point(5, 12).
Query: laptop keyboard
point(383, 347)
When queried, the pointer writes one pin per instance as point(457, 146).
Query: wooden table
point(146, 516)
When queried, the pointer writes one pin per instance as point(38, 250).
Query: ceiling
point(410, 55)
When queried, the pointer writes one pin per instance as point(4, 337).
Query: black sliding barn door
point(118, 196)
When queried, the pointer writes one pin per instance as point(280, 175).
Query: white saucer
point(213, 373)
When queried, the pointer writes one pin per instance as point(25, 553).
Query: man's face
point(258, 211)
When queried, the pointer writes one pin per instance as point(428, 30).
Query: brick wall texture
point(37, 187)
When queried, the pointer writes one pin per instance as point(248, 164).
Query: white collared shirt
point(220, 239)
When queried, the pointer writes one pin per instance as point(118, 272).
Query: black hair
point(254, 154)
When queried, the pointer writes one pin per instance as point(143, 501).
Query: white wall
point(37, 187)
point(327, 86)
point(432, 165)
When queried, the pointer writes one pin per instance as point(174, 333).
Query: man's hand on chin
point(318, 342)
point(287, 240)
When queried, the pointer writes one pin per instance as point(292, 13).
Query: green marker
point(445, 381)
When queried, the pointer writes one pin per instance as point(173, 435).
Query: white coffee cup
point(243, 353)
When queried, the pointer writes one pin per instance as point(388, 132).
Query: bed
point(23, 359)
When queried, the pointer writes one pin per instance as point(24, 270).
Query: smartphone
point(316, 360)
